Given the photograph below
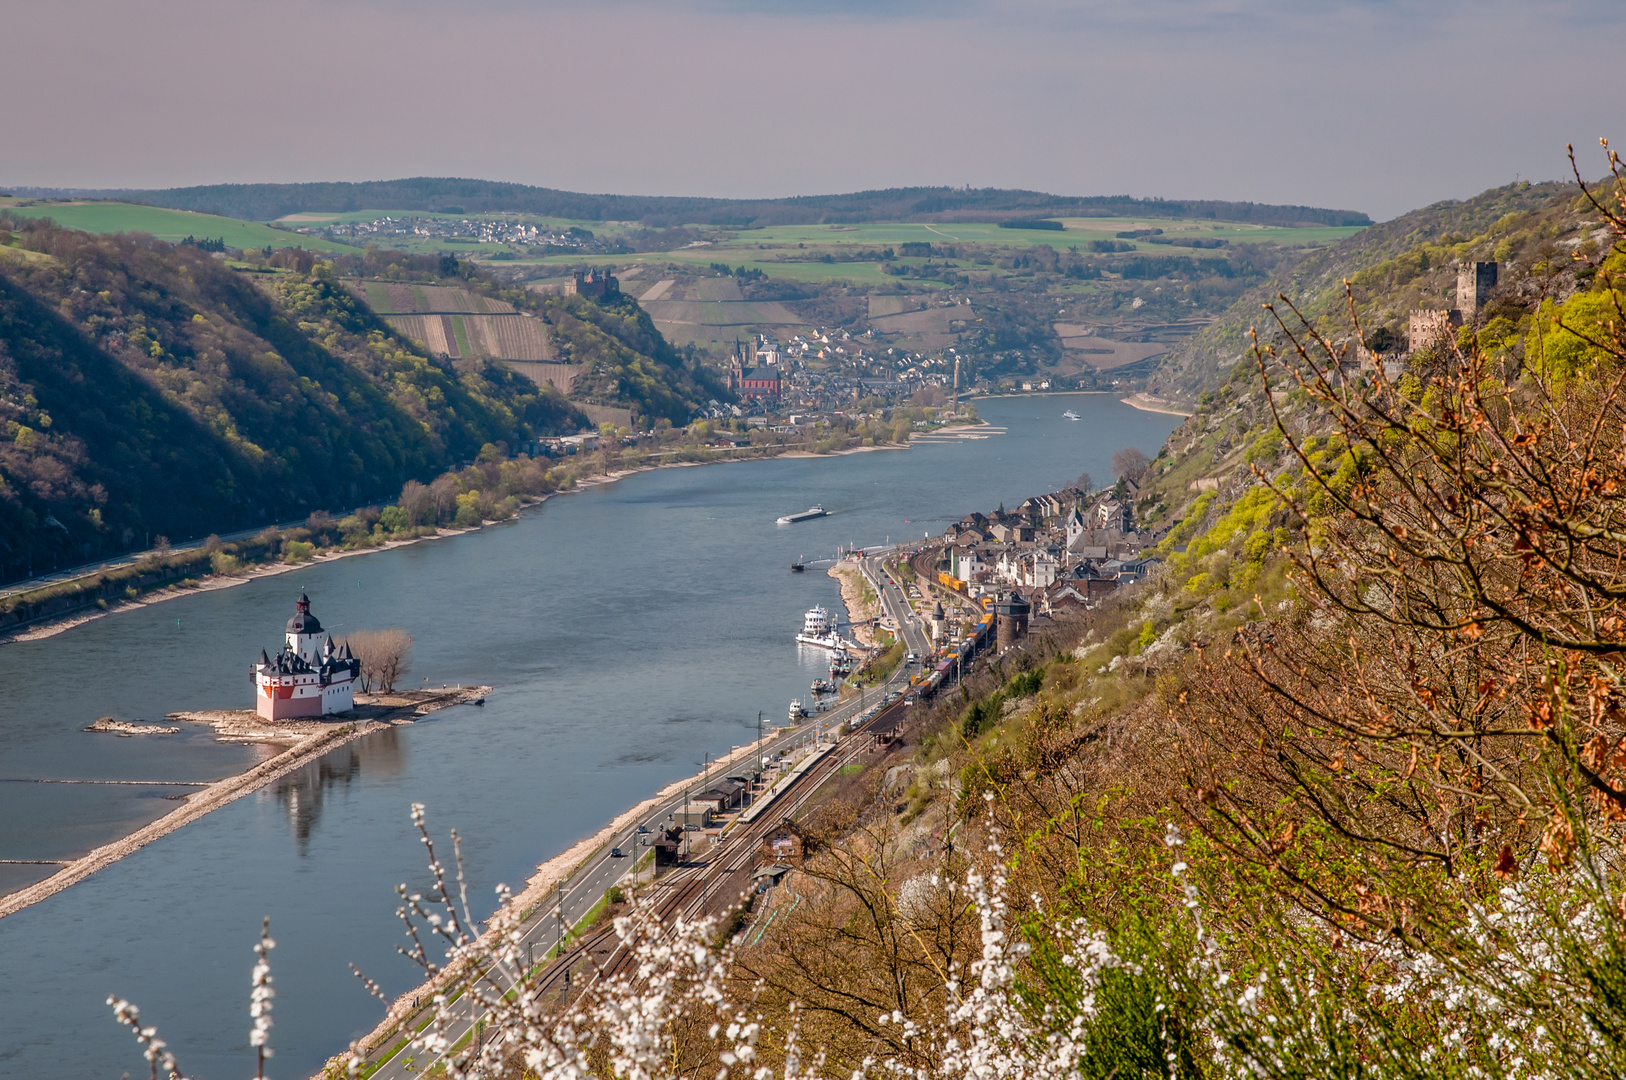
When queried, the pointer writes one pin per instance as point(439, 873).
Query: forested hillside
point(266, 202)
point(1416, 252)
point(150, 389)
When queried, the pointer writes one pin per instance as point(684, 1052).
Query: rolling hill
point(267, 202)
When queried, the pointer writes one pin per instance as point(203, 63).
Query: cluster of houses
point(500, 230)
point(1067, 549)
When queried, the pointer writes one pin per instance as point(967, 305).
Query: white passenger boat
point(797, 713)
point(1071, 415)
point(819, 629)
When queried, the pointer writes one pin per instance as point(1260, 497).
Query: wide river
point(630, 630)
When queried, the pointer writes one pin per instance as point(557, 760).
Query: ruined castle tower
point(1474, 283)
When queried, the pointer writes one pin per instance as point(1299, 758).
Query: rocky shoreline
point(306, 740)
point(856, 599)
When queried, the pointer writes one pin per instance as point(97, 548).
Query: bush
point(298, 551)
point(394, 519)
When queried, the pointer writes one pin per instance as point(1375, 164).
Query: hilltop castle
point(1426, 328)
point(309, 677)
point(601, 284)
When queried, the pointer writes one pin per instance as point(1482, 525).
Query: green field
point(1076, 232)
point(171, 225)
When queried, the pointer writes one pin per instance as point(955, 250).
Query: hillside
point(266, 202)
point(150, 389)
point(1418, 249)
point(601, 352)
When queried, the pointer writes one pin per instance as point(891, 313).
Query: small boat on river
point(797, 712)
point(1071, 415)
point(823, 686)
point(806, 515)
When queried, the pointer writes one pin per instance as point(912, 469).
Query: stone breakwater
point(125, 727)
point(306, 740)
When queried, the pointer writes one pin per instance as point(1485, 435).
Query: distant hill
point(1399, 264)
point(147, 388)
point(267, 202)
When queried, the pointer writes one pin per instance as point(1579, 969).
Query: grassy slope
point(171, 225)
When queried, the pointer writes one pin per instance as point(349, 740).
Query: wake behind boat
point(810, 512)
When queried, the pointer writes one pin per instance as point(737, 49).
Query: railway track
point(690, 892)
point(695, 895)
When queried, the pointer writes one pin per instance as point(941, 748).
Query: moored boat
point(818, 629)
point(797, 712)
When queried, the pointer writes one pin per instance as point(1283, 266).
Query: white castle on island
point(309, 677)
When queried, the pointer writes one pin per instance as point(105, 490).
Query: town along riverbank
point(306, 740)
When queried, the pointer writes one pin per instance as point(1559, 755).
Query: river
point(630, 630)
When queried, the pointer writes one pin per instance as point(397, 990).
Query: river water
point(629, 630)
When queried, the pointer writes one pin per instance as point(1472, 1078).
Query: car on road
point(615, 853)
point(643, 828)
point(912, 658)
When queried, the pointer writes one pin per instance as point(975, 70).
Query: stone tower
point(1474, 283)
point(1010, 620)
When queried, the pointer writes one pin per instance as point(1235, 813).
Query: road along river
point(630, 631)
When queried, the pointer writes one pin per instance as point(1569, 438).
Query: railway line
point(690, 892)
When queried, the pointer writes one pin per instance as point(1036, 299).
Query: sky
point(1374, 105)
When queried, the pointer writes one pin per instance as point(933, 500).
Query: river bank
point(542, 884)
point(50, 626)
point(1148, 403)
point(306, 740)
point(859, 600)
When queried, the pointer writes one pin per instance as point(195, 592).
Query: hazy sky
point(1376, 105)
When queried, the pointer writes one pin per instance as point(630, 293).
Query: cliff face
point(150, 389)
